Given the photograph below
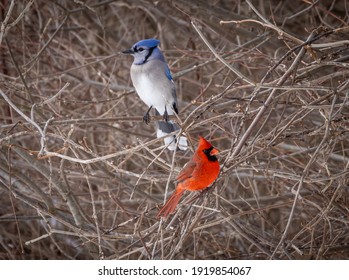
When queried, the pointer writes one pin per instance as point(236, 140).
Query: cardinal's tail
point(171, 203)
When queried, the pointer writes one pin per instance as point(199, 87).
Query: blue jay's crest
point(148, 43)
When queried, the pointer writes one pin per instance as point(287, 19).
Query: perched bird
point(153, 82)
point(197, 174)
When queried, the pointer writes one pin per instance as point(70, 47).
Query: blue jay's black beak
point(129, 51)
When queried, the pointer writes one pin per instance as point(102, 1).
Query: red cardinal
point(197, 174)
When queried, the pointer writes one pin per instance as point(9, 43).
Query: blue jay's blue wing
point(168, 73)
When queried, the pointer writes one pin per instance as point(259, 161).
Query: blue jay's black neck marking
point(150, 51)
point(210, 157)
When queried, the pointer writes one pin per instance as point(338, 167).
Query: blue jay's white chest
point(153, 87)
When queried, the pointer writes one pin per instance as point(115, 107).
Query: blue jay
point(153, 82)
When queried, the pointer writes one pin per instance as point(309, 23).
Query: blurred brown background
point(82, 177)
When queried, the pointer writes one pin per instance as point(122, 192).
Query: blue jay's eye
point(140, 49)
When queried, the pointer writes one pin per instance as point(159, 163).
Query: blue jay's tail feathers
point(164, 128)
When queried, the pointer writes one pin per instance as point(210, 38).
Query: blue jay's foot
point(146, 117)
point(165, 115)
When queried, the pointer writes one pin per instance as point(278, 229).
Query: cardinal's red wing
point(187, 171)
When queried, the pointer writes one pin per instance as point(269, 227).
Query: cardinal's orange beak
point(214, 152)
